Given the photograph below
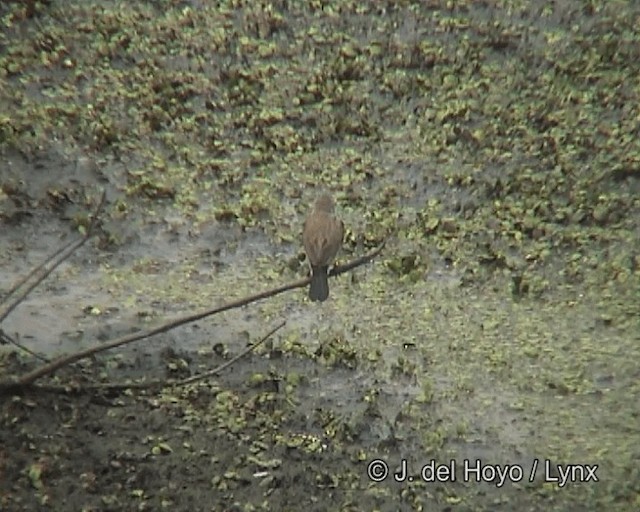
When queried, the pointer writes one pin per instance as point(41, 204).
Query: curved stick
point(31, 377)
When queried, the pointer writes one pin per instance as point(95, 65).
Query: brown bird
point(322, 237)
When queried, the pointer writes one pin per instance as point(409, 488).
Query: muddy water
point(492, 145)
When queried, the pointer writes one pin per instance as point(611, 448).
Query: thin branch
point(42, 271)
point(341, 269)
point(5, 339)
point(231, 361)
point(31, 377)
point(35, 270)
point(120, 386)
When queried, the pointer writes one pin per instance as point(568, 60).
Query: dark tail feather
point(319, 289)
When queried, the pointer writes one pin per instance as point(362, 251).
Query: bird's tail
point(319, 289)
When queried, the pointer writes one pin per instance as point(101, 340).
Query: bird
point(322, 237)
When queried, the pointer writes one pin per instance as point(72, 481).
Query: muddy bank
point(494, 144)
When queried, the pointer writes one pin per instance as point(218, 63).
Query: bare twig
point(5, 339)
point(231, 361)
point(341, 269)
point(121, 386)
point(31, 377)
point(42, 271)
point(33, 272)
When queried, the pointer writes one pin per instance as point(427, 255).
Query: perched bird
point(322, 237)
